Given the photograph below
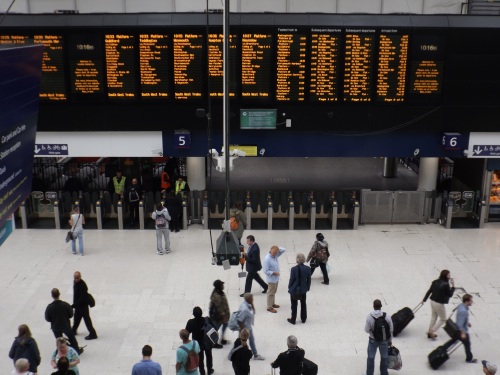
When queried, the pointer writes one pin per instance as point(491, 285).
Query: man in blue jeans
point(464, 325)
point(379, 327)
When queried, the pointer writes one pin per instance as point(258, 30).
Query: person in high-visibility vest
point(119, 183)
point(181, 186)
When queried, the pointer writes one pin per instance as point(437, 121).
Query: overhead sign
point(248, 149)
point(258, 118)
point(51, 149)
point(486, 150)
point(484, 145)
point(452, 141)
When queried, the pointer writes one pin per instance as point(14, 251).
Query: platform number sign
point(182, 140)
point(452, 141)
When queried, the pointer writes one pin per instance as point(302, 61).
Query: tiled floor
point(145, 298)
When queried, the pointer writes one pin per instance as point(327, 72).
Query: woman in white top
point(76, 221)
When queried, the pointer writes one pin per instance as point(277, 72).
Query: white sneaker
point(167, 251)
point(259, 357)
point(159, 253)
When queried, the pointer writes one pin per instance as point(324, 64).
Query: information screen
point(358, 68)
point(216, 64)
point(392, 65)
point(325, 64)
point(154, 65)
point(86, 66)
point(120, 66)
point(53, 84)
point(256, 54)
point(291, 52)
point(14, 39)
point(188, 65)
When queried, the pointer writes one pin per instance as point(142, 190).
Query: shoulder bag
point(451, 327)
point(69, 235)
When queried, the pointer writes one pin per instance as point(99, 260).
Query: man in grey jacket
point(379, 327)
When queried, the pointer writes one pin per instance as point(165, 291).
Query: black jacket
point(80, 294)
point(440, 291)
point(58, 313)
point(299, 284)
point(290, 362)
point(28, 350)
point(241, 359)
point(195, 327)
point(253, 258)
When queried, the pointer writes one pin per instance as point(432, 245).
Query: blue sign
point(5, 231)
point(486, 150)
point(20, 81)
point(51, 149)
point(452, 141)
point(182, 140)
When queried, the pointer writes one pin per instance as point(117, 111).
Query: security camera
point(466, 153)
point(416, 152)
point(213, 152)
point(237, 152)
point(262, 151)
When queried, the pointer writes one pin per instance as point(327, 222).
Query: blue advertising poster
point(20, 74)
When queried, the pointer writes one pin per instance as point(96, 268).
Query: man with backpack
point(379, 327)
point(161, 218)
point(188, 360)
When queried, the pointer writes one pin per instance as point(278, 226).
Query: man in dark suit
point(81, 306)
point(58, 313)
point(253, 266)
point(298, 286)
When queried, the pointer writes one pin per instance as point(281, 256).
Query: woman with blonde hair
point(64, 350)
point(241, 355)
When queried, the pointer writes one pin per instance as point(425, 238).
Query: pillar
point(428, 174)
point(390, 167)
point(196, 173)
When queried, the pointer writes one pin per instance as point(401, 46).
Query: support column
point(428, 174)
point(390, 167)
point(196, 173)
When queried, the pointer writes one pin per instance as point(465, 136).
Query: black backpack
point(381, 329)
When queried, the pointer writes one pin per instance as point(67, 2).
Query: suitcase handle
point(417, 307)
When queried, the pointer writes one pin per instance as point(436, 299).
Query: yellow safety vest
point(179, 186)
point(119, 186)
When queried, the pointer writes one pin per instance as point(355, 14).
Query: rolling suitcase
point(442, 353)
point(403, 317)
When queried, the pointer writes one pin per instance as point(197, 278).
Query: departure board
point(188, 66)
point(291, 51)
point(358, 68)
point(216, 64)
point(325, 63)
point(256, 55)
point(392, 65)
point(120, 66)
point(154, 66)
point(14, 39)
point(86, 66)
point(53, 84)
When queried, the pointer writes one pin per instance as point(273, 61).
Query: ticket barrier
point(248, 214)
point(448, 213)
point(291, 214)
point(332, 215)
point(184, 215)
point(57, 215)
point(312, 214)
point(99, 213)
point(141, 214)
point(482, 213)
point(120, 214)
point(24, 215)
point(354, 215)
point(205, 214)
point(269, 214)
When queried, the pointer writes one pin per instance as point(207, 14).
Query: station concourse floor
point(143, 298)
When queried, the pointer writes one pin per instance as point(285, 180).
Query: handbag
point(231, 352)
point(314, 263)
point(91, 300)
point(394, 361)
point(69, 235)
point(233, 321)
point(451, 327)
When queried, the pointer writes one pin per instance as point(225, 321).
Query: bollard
point(24, 217)
point(482, 213)
point(334, 214)
point(120, 215)
point(312, 214)
point(141, 215)
point(291, 215)
point(269, 214)
point(57, 215)
point(248, 214)
point(449, 213)
point(98, 212)
point(184, 215)
point(205, 214)
point(355, 216)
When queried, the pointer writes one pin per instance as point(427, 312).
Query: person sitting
point(290, 362)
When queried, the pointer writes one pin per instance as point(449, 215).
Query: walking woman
point(219, 310)
point(318, 256)
point(24, 346)
point(76, 221)
point(440, 293)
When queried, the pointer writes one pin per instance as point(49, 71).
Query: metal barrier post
point(248, 214)
point(291, 215)
point(141, 214)
point(482, 213)
point(205, 214)
point(355, 216)
point(120, 215)
point(312, 214)
point(334, 214)
point(449, 213)
point(24, 216)
point(57, 216)
point(98, 212)
point(184, 215)
point(269, 214)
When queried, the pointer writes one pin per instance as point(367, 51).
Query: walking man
point(272, 271)
point(253, 266)
point(146, 366)
point(161, 218)
point(58, 313)
point(81, 305)
point(379, 327)
point(464, 325)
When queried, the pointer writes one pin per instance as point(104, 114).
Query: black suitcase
point(442, 353)
point(402, 318)
point(309, 367)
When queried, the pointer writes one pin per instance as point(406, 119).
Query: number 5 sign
point(452, 141)
point(182, 140)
